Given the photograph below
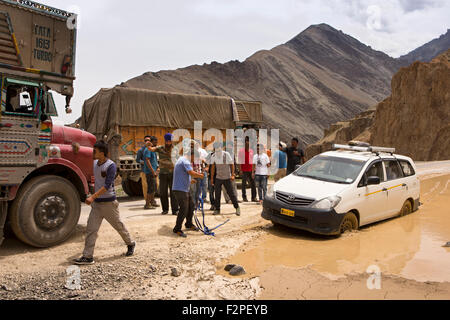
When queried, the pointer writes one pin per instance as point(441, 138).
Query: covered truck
point(45, 169)
point(126, 115)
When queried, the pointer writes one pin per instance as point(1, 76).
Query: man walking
point(140, 160)
point(181, 188)
point(223, 165)
point(246, 162)
point(295, 156)
point(280, 162)
point(167, 155)
point(104, 205)
point(261, 164)
point(151, 169)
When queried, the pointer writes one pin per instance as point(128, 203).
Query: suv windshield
point(331, 169)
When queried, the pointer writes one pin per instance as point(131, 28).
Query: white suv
point(342, 190)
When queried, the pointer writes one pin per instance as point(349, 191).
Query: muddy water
point(410, 247)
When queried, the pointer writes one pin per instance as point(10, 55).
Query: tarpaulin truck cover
point(129, 107)
point(38, 42)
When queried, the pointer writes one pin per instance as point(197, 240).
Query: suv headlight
point(327, 203)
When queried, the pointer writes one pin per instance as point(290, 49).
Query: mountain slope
point(428, 51)
point(318, 78)
point(415, 119)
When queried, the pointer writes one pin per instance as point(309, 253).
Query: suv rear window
point(407, 168)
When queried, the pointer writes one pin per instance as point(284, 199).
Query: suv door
point(397, 187)
point(374, 197)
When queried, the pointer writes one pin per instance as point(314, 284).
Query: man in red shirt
point(246, 162)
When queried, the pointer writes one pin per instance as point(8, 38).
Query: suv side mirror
point(374, 180)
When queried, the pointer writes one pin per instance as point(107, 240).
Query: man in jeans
point(140, 160)
point(280, 162)
point(151, 169)
point(223, 165)
point(104, 205)
point(246, 162)
point(167, 157)
point(181, 188)
point(261, 164)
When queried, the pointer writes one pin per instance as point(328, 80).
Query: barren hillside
point(318, 78)
point(415, 119)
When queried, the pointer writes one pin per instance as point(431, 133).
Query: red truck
point(45, 170)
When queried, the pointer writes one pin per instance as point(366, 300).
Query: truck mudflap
point(3, 214)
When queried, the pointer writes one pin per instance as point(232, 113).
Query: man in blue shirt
point(280, 161)
point(151, 172)
point(104, 205)
point(140, 160)
point(181, 186)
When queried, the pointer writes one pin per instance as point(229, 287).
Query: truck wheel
point(136, 188)
point(126, 187)
point(349, 223)
point(45, 211)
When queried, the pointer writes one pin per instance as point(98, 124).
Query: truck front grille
point(129, 165)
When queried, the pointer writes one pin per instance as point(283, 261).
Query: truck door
point(19, 131)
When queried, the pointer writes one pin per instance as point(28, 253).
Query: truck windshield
point(331, 169)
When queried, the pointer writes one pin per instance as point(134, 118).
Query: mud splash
point(410, 247)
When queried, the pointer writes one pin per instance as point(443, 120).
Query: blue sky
point(118, 40)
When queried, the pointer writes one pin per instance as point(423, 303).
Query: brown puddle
point(410, 247)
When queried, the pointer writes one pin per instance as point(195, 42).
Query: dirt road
point(280, 263)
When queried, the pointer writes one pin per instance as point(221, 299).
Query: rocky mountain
point(316, 79)
point(415, 119)
point(428, 51)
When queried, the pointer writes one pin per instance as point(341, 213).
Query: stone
point(175, 273)
point(229, 267)
point(237, 271)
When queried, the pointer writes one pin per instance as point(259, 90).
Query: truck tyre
point(136, 188)
point(45, 211)
point(126, 187)
point(349, 223)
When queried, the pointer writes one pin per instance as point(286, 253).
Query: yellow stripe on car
point(370, 194)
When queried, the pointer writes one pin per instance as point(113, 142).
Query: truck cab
point(45, 169)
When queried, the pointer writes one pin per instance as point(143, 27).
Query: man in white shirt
point(202, 185)
point(261, 165)
point(222, 163)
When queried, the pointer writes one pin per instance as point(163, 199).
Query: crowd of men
point(185, 179)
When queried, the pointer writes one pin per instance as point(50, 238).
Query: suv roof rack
point(363, 147)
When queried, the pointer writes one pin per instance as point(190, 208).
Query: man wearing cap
point(182, 180)
point(168, 155)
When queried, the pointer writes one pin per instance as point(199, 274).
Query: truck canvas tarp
point(38, 42)
point(130, 107)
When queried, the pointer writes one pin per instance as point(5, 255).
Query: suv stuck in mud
point(345, 189)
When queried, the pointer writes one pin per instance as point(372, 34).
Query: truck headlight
point(327, 203)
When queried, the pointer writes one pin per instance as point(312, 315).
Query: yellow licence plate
point(288, 213)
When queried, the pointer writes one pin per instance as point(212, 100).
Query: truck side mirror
point(373, 180)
